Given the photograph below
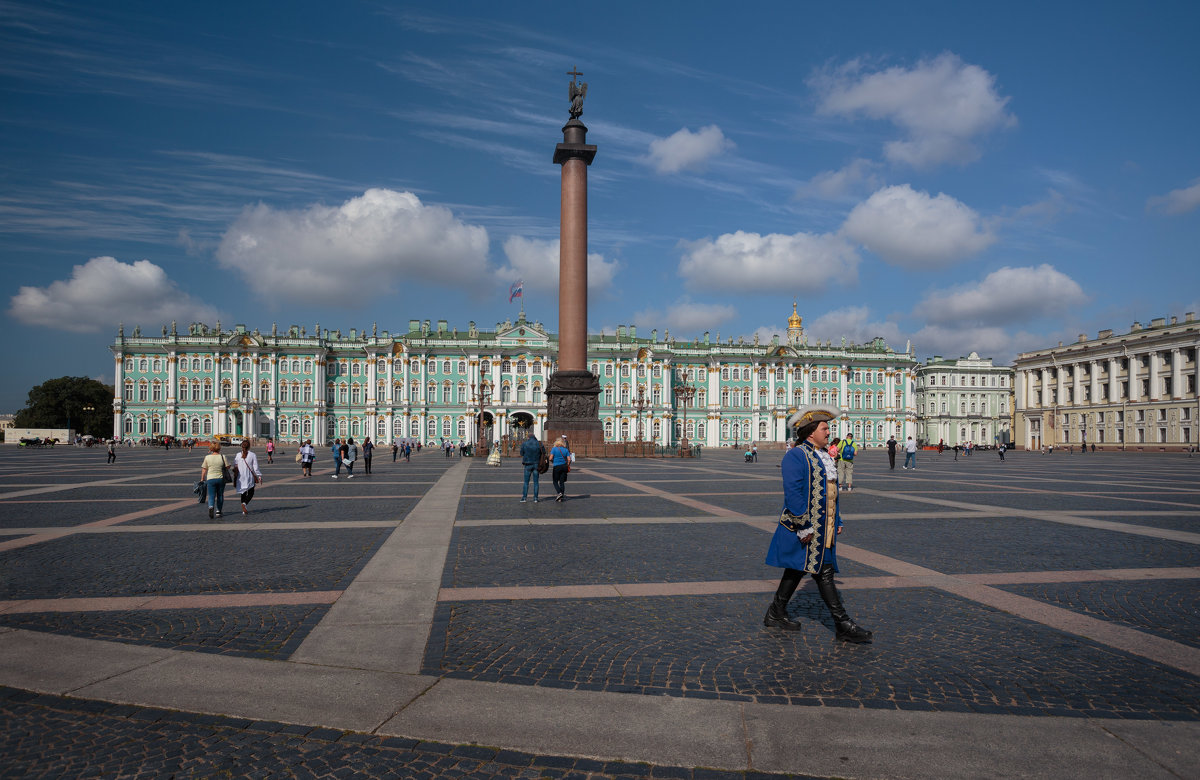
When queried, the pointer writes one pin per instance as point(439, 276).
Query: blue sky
point(971, 177)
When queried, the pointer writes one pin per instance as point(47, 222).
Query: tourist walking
point(247, 475)
point(112, 451)
point(1002, 447)
point(351, 456)
point(805, 541)
point(367, 449)
point(560, 463)
point(336, 449)
point(910, 453)
point(212, 474)
point(270, 450)
point(395, 450)
point(845, 466)
point(891, 445)
point(531, 457)
point(308, 454)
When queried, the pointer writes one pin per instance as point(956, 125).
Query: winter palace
point(436, 382)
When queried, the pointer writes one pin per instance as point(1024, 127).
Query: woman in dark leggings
point(560, 462)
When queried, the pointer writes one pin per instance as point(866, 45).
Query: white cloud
point(536, 262)
point(954, 341)
point(102, 292)
point(688, 317)
point(942, 105)
point(1178, 201)
point(913, 230)
point(853, 322)
point(353, 252)
point(687, 150)
point(854, 177)
point(1007, 296)
point(749, 262)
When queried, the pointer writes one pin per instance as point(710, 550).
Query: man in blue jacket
point(531, 455)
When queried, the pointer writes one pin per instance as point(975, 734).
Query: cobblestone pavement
point(56, 736)
point(649, 582)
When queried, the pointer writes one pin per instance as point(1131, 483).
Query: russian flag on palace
point(514, 291)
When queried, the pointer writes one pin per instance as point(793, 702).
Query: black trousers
point(892, 459)
point(560, 479)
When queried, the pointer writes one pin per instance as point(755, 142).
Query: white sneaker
point(335, 476)
point(351, 476)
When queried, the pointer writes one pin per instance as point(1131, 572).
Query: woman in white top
point(248, 474)
point(307, 454)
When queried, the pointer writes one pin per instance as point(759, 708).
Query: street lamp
point(640, 405)
point(481, 399)
point(685, 394)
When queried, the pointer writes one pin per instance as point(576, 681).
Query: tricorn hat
point(812, 414)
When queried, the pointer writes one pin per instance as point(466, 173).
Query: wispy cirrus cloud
point(1178, 201)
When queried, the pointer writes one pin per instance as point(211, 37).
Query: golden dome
point(794, 321)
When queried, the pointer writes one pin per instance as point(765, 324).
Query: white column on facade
point(1022, 382)
point(118, 394)
point(1114, 382)
point(1077, 384)
point(1044, 401)
point(320, 397)
point(1135, 368)
point(806, 384)
point(1176, 374)
point(1094, 376)
point(1155, 390)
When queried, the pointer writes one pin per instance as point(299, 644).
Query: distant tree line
point(83, 402)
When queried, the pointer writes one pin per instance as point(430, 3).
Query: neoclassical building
point(437, 382)
point(1135, 390)
point(964, 400)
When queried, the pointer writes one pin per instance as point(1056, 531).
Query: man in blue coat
point(805, 540)
point(531, 456)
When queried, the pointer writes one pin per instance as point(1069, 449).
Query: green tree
point(55, 401)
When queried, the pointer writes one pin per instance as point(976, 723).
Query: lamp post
point(640, 405)
point(481, 400)
point(685, 394)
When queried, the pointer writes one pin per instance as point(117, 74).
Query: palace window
point(445, 366)
point(656, 395)
point(414, 394)
point(462, 393)
point(724, 396)
point(608, 369)
point(762, 430)
point(226, 364)
point(522, 368)
point(704, 373)
point(143, 365)
point(142, 391)
point(537, 394)
point(142, 426)
point(702, 398)
point(462, 367)
point(657, 428)
point(625, 369)
point(505, 394)
point(608, 395)
point(596, 369)
point(857, 377)
point(446, 392)
point(746, 397)
point(506, 367)
point(642, 371)
point(762, 397)
point(624, 430)
point(724, 373)
point(128, 425)
point(657, 371)
point(381, 366)
point(762, 374)
point(245, 365)
point(608, 429)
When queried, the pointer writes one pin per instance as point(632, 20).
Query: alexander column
point(573, 393)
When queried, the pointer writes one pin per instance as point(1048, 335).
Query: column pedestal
point(573, 408)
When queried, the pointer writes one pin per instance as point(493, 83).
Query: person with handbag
point(247, 474)
point(805, 540)
point(214, 472)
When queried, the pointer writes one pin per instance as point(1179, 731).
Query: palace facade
point(436, 382)
point(964, 400)
point(1135, 390)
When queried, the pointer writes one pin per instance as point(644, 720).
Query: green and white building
point(435, 382)
point(964, 400)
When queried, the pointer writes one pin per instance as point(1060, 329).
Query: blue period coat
point(810, 502)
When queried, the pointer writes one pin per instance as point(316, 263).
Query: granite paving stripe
point(575, 506)
point(714, 647)
point(547, 520)
point(1015, 544)
point(261, 631)
point(128, 603)
point(1165, 608)
point(182, 563)
point(1129, 640)
point(98, 483)
point(705, 507)
point(232, 525)
point(606, 554)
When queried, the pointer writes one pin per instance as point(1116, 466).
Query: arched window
point(208, 426)
point(245, 365)
point(226, 364)
point(724, 396)
point(625, 369)
point(142, 426)
point(521, 393)
point(264, 393)
point(485, 367)
point(462, 393)
point(762, 430)
point(462, 366)
point(746, 396)
point(446, 390)
point(702, 398)
point(506, 367)
point(824, 375)
point(642, 371)
point(142, 390)
point(143, 365)
point(445, 366)
point(522, 368)
point(657, 429)
point(537, 394)
point(724, 373)
point(505, 394)
point(608, 429)
point(128, 389)
point(608, 395)
point(656, 395)
point(624, 394)
point(431, 366)
point(343, 395)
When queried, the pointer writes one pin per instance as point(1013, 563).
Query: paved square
point(397, 618)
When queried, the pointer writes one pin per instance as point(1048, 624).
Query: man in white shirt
point(910, 453)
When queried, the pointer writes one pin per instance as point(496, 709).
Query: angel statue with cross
point(577, 92)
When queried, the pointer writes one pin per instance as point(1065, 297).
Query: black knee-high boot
point(847, 629)
point(776, 616)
